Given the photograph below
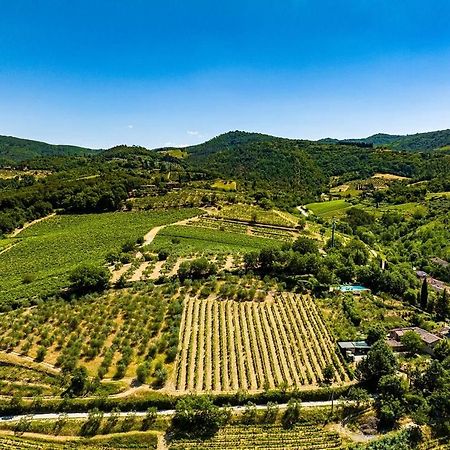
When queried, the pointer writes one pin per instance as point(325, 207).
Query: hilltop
point(14, 150)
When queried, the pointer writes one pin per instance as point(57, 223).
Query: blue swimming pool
point(352, 288)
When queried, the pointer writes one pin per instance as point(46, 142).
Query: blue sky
point(153, 73)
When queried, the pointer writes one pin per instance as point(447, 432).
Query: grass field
point(269, 437)
point(230, 345)
point(39, 264)
point(188, 239)
point(332, 208)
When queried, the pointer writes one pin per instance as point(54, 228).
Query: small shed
point(354, 350)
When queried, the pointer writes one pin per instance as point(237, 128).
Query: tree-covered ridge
point(251, 156)
point(13, 150)
point(419, 142)
point(268, 164)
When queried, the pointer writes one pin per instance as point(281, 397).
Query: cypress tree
point(424, 295)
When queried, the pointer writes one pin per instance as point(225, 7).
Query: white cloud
point(194, 133)
point(130, 126)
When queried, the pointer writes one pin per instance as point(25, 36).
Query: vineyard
point(110, 335)
point(271, 437)
point(228, 345)
point(185, 198)
point(185, 239)
point(144, 441)
point(46, 252)
point(249, 213)
point(251, 230)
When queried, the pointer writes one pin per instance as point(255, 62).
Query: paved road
point(164, 412)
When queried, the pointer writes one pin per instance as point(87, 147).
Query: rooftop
point(350, 345)
point(426, 336)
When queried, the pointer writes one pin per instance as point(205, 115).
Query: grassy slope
point(327, 209)
point(49, 250)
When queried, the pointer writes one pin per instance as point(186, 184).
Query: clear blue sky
point(154, 72)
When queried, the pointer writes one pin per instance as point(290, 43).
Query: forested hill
point(420, 142)
point(264, 162)
point(281, 162)
point(14, 150)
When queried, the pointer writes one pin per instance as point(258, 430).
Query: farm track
point(140, 271)
point(17, 231)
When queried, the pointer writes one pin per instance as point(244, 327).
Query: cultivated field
point(328, 209)
point(46, 252)
point(229, 345)
point(108, 334)
point(270, 437)
point(146, 441)
point(249, 213)
point(183, 239)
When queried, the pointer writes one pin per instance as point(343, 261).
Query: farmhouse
point(437, 285)
point(429, 339)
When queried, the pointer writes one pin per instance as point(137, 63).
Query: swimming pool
point(352, 288)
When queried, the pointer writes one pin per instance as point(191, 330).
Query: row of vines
point(228, 345)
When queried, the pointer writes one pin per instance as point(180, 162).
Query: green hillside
point(13, 150)
point(262, 161)
point(413, 142)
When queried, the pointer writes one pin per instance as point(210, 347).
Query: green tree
point(375, 333)
point(328, 374)
point(442, 349)
point(412, 342)
point(442, 307)
point(292, 413)
point(424, 295)
point(271, 412)
point(85, 279)
point(380, 361)
point(305, 245)
point(142, 372)
point(197, 416)
point(150, 418)
point(358, 395)
point(40, 354)
point(79, 381)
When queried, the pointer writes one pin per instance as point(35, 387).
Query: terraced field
point(183, 239)
point(228, 345)
point(250, 213)
point(270, 437)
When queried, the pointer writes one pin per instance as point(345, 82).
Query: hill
point(14, 150)
point(289, 164)
point(263, 161)
point(418, 142)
